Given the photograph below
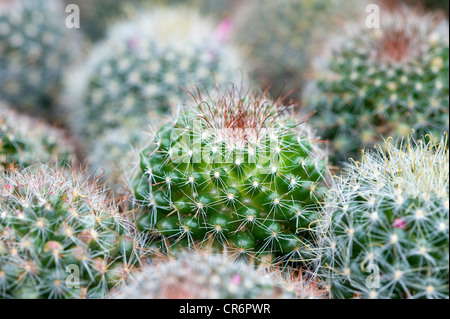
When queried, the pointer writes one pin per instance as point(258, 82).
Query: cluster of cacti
point(35, 48)
point(141, 68)
point(60, 236)
point(24, 140)
point(385, 224)
point(209, 276)
point(281, 37)
point(233, 169)
point(383, 82)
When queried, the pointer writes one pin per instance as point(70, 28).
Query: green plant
point(141, 68)
point(61, 236)
point(24, 140)
point(382, 82)
point(279, 38)
point(35, 47)
point(385, 224)
point(208, 276)
point(233, 169)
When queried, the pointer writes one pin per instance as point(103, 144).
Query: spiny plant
point(61, 236)
point(233, 169)
point(382, 82)
point(140, 68)
point(280, 37)
point(208, 276)
point(35, 47)
point(24, 140)
point(385, 224)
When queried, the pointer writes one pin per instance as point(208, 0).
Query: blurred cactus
point(383, 82)
point(235, 169)
point(24, 140)
point(60, 236)
point(280, 37)
point(139, 69)
point(385, 224)
point(35, 48)
point(206, 276)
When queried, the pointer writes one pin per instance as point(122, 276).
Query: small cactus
point(385, 224)
point(60, 236)
point(233, 169)
point(141, 68)
point(280, 37)
point(382, 82)
point(24, 140)
point(211, 276)
point(35, 47)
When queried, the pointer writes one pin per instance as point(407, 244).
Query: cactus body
point(60, 237)
point(385, 231)
point(382, 82)
point(24, 140)
point(233, 170)
point(35, 46)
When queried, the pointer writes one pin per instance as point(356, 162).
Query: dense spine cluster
point(140, 69)
point(208, 276)
point(233, 169)
point(60, 236)
point(385, 226)
point(280, 38)
point(24, 140)
point(35, 46)
point(382, 82)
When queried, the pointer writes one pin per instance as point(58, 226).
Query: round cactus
point(140, 68)
point(60, 236)
point(207, 276)
point(35, 46)
point(24, 140)
point(382, 82)
point(233, 169)
point(280, 37)
point(385, 225)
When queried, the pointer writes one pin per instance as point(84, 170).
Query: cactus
point(139, 69)
point(280, 37)
point(211, 276)
point(60, 236)
point(382, 82)
point(385, 224)
point(35, 46)
point(233, 169)
point(24, 140)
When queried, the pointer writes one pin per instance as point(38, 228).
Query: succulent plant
point(382, 82)
point(24, 140)
point(35, 47)
point(140, 68)
point(61, 236)
point(385, 224)
point(280, 37)
point(212, 276)
point(233, 169)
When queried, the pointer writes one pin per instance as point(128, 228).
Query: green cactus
point(208, 276)
point(281, 37)
point(382, 82)
point(24, 140)
point(141, 68)
point(385, 224)
point(233, 169)
point(35, 47)
point(60, 236)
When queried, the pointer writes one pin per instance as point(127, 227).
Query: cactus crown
point(60, 236)
point(233, 169)
point(389, 214)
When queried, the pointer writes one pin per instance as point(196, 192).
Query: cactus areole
point(233, 170)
